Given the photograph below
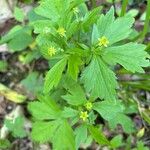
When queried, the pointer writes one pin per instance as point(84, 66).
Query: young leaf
point(102, 24)
point(99, 79)
point(19, 14)
point(74, 63)
point(54, 75)
point(131, 56)
point(98, 136)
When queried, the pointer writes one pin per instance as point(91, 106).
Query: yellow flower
point(88, 105)
point(51, 51)
point(103, 41)
point(84, 115)
point(61, 31)
point(75, 10)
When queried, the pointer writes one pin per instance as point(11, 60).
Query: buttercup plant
point(83, 47)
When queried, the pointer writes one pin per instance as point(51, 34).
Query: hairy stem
point(124, 6)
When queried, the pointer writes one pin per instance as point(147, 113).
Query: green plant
point(82, 48)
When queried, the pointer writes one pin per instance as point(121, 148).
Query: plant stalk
point(124, 6)
point(147, 20)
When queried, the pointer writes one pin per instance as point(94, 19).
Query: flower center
point(61, 31)
point(103, 41)
point(84, 115)
point(51, 51)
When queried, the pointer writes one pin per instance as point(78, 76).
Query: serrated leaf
point(19, 14)
point(54, 75)
point(124, 121)
point(44, 131)
point(98, 136)
point(52, 9)
point(99, 79)
point(74, 62)
point(64, 138)
point(108, 109)
point(76, 95)
point(69, 112)
point(41, 110)
point(131, 56)
point(114, 30)
point(104, 22)
point(81, 135)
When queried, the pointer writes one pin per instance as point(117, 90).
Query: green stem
point(124, 6)
point(146, 24)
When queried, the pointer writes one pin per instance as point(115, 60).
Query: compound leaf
point(131, 56)
point(99, 79)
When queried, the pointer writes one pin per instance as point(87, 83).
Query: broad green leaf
point(81, 135)
point(54, 75)
point(69, 112)
point(131, 56)
point(19, 14)
point(74, 62)
point(41, 110)
point(114, 30)
point(98, 136)
point(52, 9)
point(63, 137)
point(33, 82)
point(119, 29)
point(99, 79)
point(76, 95)
point(108, 109)
point(20, 41)
point(44, 131)
point(104, 22)
point(124, 121)
point(116, 141)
